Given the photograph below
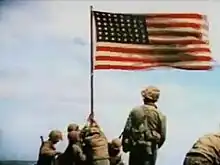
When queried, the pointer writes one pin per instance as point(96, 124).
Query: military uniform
point(73, 155)
point(145, 130)
point(114, 149)
point(48, 151)
point(205, 151)
point(96, 145)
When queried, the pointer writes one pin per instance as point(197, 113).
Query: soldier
point(72, 127)
point(47, 150)
point(145, 130)
point(74, 153)
point(96, 145)
point(114, 150)
point(205, 151)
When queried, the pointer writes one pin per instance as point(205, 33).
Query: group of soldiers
point(86, 146)
point(143, 135)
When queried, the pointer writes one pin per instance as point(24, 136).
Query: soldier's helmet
point(55, 135)
point(151, 93)
point(72, 127)
point(74, 136)
point(116, 143)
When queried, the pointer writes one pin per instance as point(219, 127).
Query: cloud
point(44, 79)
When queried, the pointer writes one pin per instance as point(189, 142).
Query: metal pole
point(91, 65)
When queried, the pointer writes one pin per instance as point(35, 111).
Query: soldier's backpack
point(96, 144)
point(138, 134)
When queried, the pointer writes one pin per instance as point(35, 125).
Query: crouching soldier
point(48, 151)
point(96, 145)
point(114, 150)
point(205, 151)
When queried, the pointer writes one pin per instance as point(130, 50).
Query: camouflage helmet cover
point(55, 135)
point(116, 143)
point(151, 93)
point(72, 127)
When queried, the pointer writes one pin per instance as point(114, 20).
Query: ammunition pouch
point(143, 147)
point(126, 144)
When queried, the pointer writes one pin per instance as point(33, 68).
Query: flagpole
point(91, 65)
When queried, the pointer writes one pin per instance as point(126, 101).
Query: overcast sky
point(44, 78)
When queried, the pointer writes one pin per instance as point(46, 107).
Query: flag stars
point(123, 28)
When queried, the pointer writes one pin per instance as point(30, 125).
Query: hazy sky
point(44, 78)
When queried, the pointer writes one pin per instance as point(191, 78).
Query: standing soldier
point(47, 150)
point(205, 151)
point(145, 130)
point(74, 154)
point(114, 150)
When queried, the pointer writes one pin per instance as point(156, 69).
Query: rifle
point(121, 135)
point(42, 139)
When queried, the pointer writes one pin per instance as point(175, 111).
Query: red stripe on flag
point(176, 25)
point(148, 51)
point(148, 59)
point(182, 42)
point(117, 67)
point(176, 15)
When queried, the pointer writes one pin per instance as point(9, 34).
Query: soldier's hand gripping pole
point(90, 119)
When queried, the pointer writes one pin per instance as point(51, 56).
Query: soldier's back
point(208, 146)
point(47, 153)
point(153, 117)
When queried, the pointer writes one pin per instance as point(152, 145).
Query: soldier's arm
point(120, 161)
point(46, 150)
point(79, 152)
point(126, 141)
point(163, 130)
point(128, 123)
point(126, 130)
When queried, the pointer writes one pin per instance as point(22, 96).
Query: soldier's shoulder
point(211, 135)
point(47, 142)
point(136, 108)
point(46, 145)
point(161, 114)
point(157, 111)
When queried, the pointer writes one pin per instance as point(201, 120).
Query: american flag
point(145, 41)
